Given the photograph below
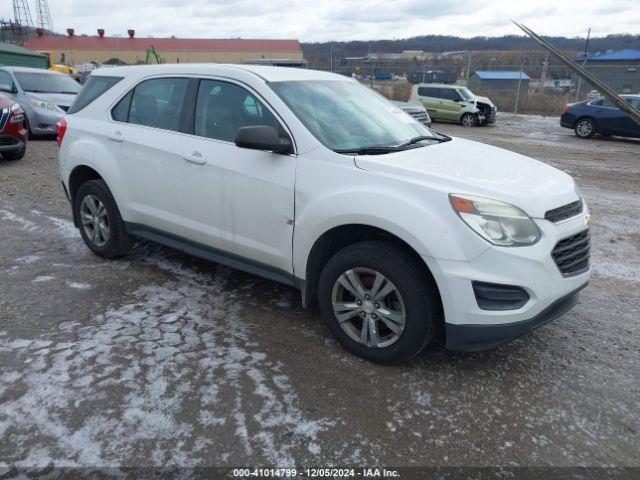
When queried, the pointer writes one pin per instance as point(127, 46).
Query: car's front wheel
point(379, 302)
point(101, 225)
point(469, 120)
point(585, 128)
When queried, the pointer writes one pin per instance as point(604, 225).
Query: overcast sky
point(320, 20)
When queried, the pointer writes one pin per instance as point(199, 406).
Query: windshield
point(345, 115)
point(465, 93)
point(46, 83)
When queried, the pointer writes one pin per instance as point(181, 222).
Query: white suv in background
point(310, 179)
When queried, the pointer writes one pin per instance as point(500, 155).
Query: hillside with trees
point(318, 53)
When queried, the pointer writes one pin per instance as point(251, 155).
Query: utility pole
point(515, 110)
point(331, 57)
point(468, 67)
point(584, 62)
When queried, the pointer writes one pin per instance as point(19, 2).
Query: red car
point(13, 130)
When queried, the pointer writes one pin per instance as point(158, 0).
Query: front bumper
point(473, 338)
point(44, 122)
point(491, 118)
point(9, 143)
point(533, 269)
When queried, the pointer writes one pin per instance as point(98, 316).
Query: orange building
point(78, 49)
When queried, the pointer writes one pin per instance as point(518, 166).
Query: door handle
point(195, 157)
point(116, 136)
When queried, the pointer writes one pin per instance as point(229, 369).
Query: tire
point(418, 299)
point(30, 135)
point(116, 241)
point(469, 120)
point(15, 155)
point(585, 127)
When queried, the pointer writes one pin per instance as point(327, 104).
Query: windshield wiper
point(371, 150)
point(420, 138)
point(382, 149)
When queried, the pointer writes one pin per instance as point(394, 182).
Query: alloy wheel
point(368, 307)
point(468, 121)
point(95, 220)
point(584, 128)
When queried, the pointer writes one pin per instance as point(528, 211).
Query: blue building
point(499, 81)
point(620, 70)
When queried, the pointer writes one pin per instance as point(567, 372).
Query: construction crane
point(44, 15)
point(23, 19)
point(151, 53)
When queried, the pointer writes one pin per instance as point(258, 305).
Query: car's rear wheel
point(585, 127)
point(469, 120)
point(378, 301)
point(14, 155)
point(101, 225)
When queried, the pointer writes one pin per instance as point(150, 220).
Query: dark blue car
point(601, 116)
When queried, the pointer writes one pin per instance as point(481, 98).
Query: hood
point(484, 100)
point(463, 166)
point(62, 99)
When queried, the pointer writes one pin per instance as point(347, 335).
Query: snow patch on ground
point(122, 381)
point(29, 259)
point(78, 285)
point(22, 222)
point(43, 278)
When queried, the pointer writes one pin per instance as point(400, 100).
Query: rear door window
point(222, 108)
point(428, 92)
point(92, 89)
point(154, 103)
point(449, 94)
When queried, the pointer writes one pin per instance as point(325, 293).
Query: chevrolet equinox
point(399, 234)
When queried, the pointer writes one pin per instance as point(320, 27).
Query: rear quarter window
point(92, 89)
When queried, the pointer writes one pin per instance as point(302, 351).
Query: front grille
point(421, 116)
point(8, 141)
point(571, 254)
point(566, 211)
point(3, 118)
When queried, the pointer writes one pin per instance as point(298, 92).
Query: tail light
point(62, 129)
point(565, 109)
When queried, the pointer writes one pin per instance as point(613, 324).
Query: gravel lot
point(160, 358)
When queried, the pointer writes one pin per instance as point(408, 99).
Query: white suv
point(308, 178)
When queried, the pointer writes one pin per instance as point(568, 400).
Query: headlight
point(497, 222)
point(46, 105)
point(19, 118)
point(15, 107)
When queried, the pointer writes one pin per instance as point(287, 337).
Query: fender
point(399, 214)
point(84, 152)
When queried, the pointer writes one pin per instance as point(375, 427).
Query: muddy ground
point(159, 358)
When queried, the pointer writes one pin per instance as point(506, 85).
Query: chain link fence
point(542, 88)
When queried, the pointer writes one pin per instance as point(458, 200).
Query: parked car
point(44, 95)
point(600, 116)
point(416, 110)
point(310, 179)
point(453, 103)
point(13, 131)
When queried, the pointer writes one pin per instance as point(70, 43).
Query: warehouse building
point(499, 81)
point(620, 70)
point(73, 49)
point(15, 56)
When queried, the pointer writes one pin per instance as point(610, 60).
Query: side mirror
point(262, 137)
